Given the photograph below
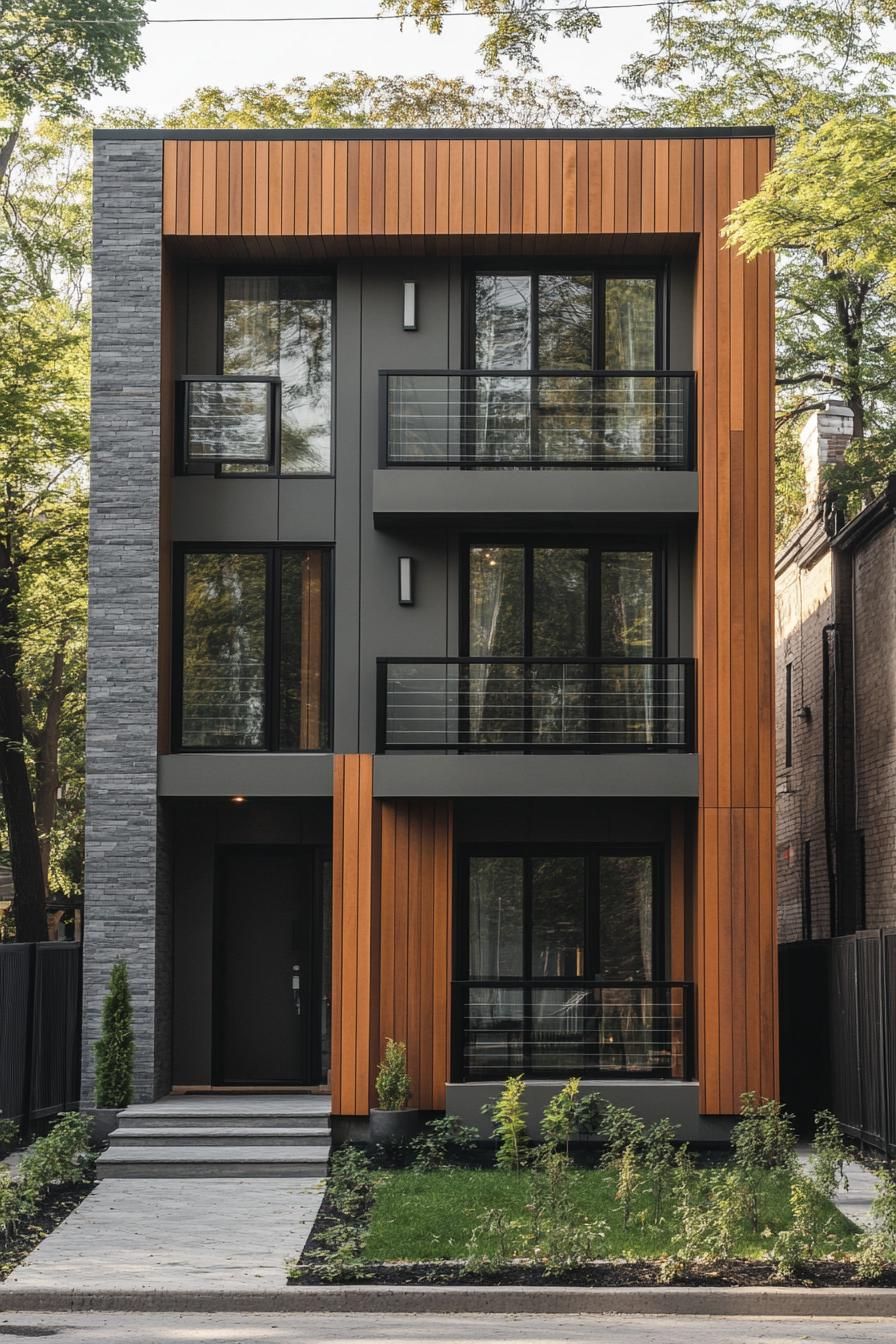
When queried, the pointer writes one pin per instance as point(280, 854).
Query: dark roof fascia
point(514, 133)
point(870, 521)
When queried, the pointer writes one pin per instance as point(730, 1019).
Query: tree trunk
point(24, 847)
point(46, 745)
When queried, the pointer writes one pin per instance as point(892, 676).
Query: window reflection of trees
point(567, 701)
point(282, 327)
point(224, 650)
point(547, 321)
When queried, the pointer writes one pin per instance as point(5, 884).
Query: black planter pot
point(393, 1126)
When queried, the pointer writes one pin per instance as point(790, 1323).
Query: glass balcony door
point(536, 603)
point(562, 321)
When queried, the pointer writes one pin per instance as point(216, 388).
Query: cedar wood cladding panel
point(522, 194)
point(391, 937)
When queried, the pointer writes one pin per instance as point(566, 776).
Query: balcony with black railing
point(590, 1028)
point(481, 419)
point(535, 704)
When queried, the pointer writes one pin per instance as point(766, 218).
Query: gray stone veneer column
point(127, 901)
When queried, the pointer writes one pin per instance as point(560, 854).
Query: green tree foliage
point(356, 99)
point(800, 66)
point(515, 27)
point(51, 59)
point(115, 1048)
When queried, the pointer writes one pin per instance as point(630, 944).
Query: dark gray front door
point(264, 929)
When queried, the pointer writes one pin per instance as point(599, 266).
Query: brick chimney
point(824, 439)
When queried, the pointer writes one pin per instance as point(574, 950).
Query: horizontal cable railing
point(535, 704)
point(585, 1027)
point(526, 419)
point(228, 420)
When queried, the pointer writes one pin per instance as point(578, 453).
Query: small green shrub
point(829, 1154)
point(658, 1160)
point(9, 1133)
point(764, 1139)
point(338, 1259)
point(620, 1129)
point(443, 1138)
point(560, 1239)
point(350, 1184)
point(393, 1084)
point(508, 1116)
point(12, 1206)
point(628, 1182)
point(114, 1050)
point(569, 1114)
point(809, 1236)
point(707, 1215)
point(877, 1248)
point(61, 1157)
point(493, 1241)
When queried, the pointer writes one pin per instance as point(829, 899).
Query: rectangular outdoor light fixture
point(410, 305)
point(406, 580)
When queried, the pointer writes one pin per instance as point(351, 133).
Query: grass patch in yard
point(431, 1216)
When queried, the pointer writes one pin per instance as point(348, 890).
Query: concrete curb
point(806, 1302)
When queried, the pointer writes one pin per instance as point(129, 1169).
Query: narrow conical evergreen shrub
point(115, 1048)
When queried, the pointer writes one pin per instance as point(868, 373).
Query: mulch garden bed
point(599, 1274)
point(54, 1210)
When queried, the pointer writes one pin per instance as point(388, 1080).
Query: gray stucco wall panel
point(127, 891)
point(573, 496)
point(509, 776)
point(226, 774)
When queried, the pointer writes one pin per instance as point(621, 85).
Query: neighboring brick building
point(836, 705)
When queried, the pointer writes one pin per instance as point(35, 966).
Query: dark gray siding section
point(127, 896)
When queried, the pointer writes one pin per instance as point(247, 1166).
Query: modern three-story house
point(431, 648)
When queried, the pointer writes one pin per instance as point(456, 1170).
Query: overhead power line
point(348, 18)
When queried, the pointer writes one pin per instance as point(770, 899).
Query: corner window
point(252, 671)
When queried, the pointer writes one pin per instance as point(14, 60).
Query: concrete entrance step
point(186, 1136)
point(220, 1136)
point(272, 1112)
point(194, 1161)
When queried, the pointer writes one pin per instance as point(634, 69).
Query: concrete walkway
point(456, 1329)
point(176, 1234)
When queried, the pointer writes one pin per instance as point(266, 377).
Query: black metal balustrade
point(526, 419)
point(228, 420)
point(535, 704)
point(556, 1028)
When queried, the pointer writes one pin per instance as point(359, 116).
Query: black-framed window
point(252, 649)
point(566, 318)
point(561, 912)
point(278, 327)
point(566, 597)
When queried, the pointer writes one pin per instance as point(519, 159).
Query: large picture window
point(282, 327)
point(560, 963)
point(252, 672)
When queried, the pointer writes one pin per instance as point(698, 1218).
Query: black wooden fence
point(40, 1029)
point(838, 1033)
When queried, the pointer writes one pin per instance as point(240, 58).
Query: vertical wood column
point(355, 934)
point(415, 940)
point(736, 952)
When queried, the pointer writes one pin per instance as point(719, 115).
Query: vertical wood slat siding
point(735, 904)
point(549, 189)
point(415, 940)
point(416, 188)
point(355, 933)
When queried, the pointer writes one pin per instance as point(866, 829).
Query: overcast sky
point(181, 57)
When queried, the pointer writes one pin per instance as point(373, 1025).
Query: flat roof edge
point(442, 133)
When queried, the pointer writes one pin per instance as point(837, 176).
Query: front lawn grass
point(431, 1216)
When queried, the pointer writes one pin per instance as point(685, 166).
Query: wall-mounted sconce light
point(410, 305)
point(406, 580)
